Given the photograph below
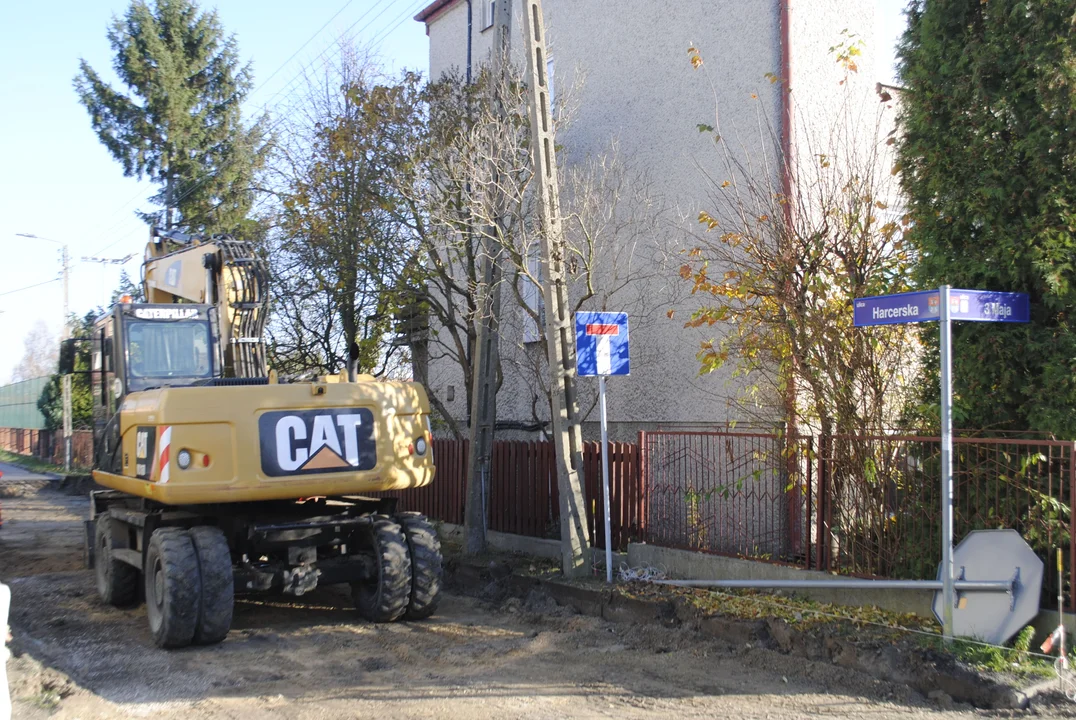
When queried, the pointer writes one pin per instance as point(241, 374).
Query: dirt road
point(315, 659)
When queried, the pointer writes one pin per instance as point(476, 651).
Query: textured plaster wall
point(632, 84)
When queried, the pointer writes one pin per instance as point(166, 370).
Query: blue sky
point(59, 182)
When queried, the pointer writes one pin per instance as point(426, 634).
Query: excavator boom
point(217, 270)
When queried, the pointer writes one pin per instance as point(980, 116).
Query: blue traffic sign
point(925, 306)
point(601, 343)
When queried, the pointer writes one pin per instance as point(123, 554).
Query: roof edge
point(427, 13)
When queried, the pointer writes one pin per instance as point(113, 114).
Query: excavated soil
point(313, 658)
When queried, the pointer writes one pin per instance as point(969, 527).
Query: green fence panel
point(18, 404)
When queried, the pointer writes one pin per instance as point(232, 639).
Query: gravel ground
point(312, 658)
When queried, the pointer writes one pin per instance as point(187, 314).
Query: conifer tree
point(178, 119)
point(988, 159)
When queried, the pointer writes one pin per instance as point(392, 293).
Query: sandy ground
point(313, 658)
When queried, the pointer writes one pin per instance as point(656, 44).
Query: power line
point(399, 20)
point(298, 76)
point(134, 197)
point(308, 41)
point(28, 287)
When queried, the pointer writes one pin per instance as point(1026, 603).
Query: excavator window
point(168, 350)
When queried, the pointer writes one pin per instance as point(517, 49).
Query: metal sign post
point(944, 305)
point(945, 328)
point(602, 349)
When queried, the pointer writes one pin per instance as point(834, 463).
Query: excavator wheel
point(173, 587)
point(385, 597)
point(117, 582)
point(426, 571)
point(217, 585)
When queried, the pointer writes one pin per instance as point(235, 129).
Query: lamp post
point(65, 335)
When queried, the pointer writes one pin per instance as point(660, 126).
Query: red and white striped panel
point(164, 442)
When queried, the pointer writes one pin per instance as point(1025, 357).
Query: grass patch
point(31, 463)
point(1011, 659)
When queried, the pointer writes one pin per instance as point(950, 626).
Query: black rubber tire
point(217, 584)
point(385, 597)
point(117, 582)
point(426, 565)
point(173, 587)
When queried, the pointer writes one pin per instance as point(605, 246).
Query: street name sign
point(925, 306)
point(601, 343)
point(944, 305)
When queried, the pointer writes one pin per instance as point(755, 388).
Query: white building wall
point(639, 89)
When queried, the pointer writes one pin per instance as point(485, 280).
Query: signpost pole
point(605, 481)
point(926, 306)
point(948, 598)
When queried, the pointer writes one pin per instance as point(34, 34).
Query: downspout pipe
point(470, 37)
point(791, 389)
point(786, 99)
point(787, 163)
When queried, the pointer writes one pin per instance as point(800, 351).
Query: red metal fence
point(729, 493)
point(879, 513)
point(48, 445)
point(856, 505)
point(523, 495)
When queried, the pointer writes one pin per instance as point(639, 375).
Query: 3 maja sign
point(925, 306)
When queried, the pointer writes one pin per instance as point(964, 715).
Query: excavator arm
point(216, 270)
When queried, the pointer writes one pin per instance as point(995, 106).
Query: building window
point(489, 13)
point(532, 298)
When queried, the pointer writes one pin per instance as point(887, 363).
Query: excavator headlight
point(183, 459)
point(420, 446)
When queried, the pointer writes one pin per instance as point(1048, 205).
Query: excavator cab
point(155, 346)
point(144, 347)
point(139, 347)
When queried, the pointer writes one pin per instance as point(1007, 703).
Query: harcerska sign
point(968, 305)
point(301, 442)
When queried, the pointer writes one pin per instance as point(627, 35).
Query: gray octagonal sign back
point(994, 617)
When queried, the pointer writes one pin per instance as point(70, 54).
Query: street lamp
point(66, 333)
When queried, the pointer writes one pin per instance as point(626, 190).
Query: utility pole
point(106, 261)
point(65, 381)
point(559, 333)
point(486, 358)
point(67, 376)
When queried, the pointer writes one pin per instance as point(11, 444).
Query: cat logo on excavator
point(317, 441)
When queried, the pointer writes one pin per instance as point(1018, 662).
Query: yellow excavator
point(224, 479)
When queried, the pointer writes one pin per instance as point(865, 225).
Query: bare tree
point(475, 186)
point(41, 350)
point(474, 159)
point(618, 258)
